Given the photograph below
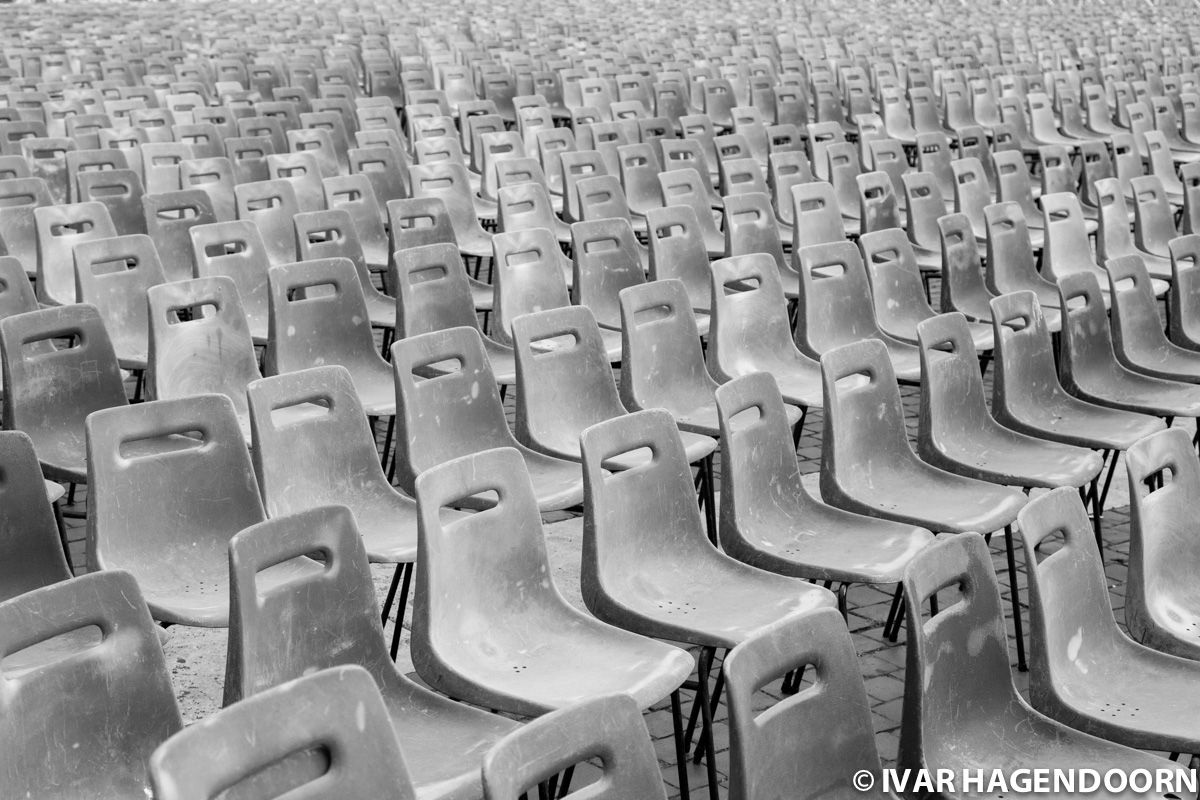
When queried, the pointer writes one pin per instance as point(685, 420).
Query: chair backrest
point(154, 470)
point(18, 225)
point(432, 290)
point(660, 348)
point(815, 215)
point(526, 277)
point(31, 554)
point(59, 229)
point(945, 678)
point(1154, 221)
point(606, 261)
point(563, 389)
point(169, 218)
point(271, 205)
point(443, 416)
point(303, 172)
point(750, 227)
point(1184, 298)
point(677, 250)
point(318, 316)
point(1134, 320)
point(1087, 346)
point(962, 288)
point(953, 403)
point(236, 250)
point(637, 517)
point(925, 204)
point(270, 642)
point(331, 234)
point(336, 713)
point(418, 221)
point(50, 388)
point(113, 275)
point(806, 745)
point(448, 181)
point(749, 315)
point(897, 291)
point(1067, 250)
point(214, 177)
point(578, 165)
point(118, 190)
point(105, 649)
point(1025, 375)
point(608, 728)
point(1010, 264)
point(200, 341)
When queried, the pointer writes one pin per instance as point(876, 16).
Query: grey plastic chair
point(236, 250)
point(609, 729)
point(836, 308)
point(268, 744)
point(607, 260)
point(459, 412)
point(947, 677)
point(113, 275)
point(319, 317)
point(118, 190)
point(1138, 339)
point(1183, 302)
point(418, 221)
point(271, 205)
point(677, 250)
point(1114, 239)
point(648, 566)
point(331, 234)
point(565, 384)
point(326, 615)
point(869, 466)
point(170, 216)
point(1086, 672)
point(90, 637)
point(769, 520)
point(471, 640)
point(50, 388)
point(59, 228)
point(200, 343)
point(433, 292)
point(751, 333)
point(1161, 607)
point(1010, 265)
point(807, 745)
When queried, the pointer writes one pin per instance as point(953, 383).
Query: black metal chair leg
point(680, 750)
point(402, 602)
point(1015, 593)
point(706, 732)
point(710, 499)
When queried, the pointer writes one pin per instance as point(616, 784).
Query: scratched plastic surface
point(113, 275)
point(236, 250)
point(59, 229)
point(1138, 339)
point(31, 555)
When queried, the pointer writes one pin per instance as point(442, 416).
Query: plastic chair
point(896, 288)
point(677, 250)
point(433, 293)
point(153, 471)
point(19, 197)
point(868, 465)
point(49, 389)
point(236, 250)
point(331, 234)
point(59, 229)
point(1089, 366)
point(1161, 610)
point(338, 711)
point(32, 547)
point(459, 412)
point(963, 288)
point(648, 566)
point(751, 333)
point(1183, 302)
point(214, 177)
point(750, 228)
point(947, 679)
point(271, 643)
point(92, 638)
point(169, 218)
point(113, 275)
point(1010, 266)
point(200, 343)
point(607, 728)
point(527, 206)
point(355, 195)
point(419, 221)
point(804, 746)
point(318, 317)
point(1138, 339)
point(1114, 239)
point(303, 172)
point(1086, 672)
point(118, 190)
point(958, 434)
point(271, 205)
point(607, 259)
point(770, 521)
point(448, 182)
point(836, 307)
point(924, 205)
point(1067, 250)
point(568, 387)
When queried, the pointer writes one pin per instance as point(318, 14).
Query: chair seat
point(54, 492)
point(915, 492)
point(703, 419)
point(906, 361)
point(381, 310)
point(557, 483)
point(62, 454)
point(1159, 692)
point(571, 658)
point(376, 390)
point(715, 601)
point(485, 208)
point(830, 544)
point(387, 521)
point(1168, 361)
point(132, 361)
point(1131, 391)
point(1068, 419)
point(476, 242)
point(797, 376)
point(1001, 455)
point(443, 742)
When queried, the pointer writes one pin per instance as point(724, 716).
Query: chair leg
point(891, 627)
point(798, 431)
point(391, 592)
point(695, 715)
point(62, 535)
point(680, 750)
point(565, 786)
point(706, 733)
point(1015, 594)
point(843, 605)
point(713, 704)
point(400, 608)
point(708, 498)
point(387, 440)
